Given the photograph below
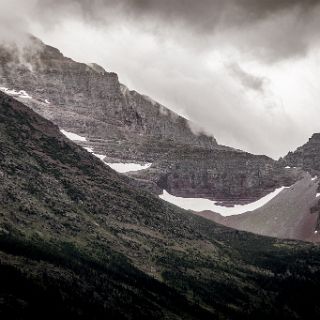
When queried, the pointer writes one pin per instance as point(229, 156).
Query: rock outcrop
point(306, 157)
point(223, 175)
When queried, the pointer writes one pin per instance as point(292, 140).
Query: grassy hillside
point(78, 239)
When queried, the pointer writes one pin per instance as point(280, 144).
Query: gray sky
point(245, 70)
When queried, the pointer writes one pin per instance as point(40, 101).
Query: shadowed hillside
point(79, 240)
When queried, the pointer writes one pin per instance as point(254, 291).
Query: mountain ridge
point(94, 104)
point(122, 125)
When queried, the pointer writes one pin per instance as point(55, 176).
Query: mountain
point(78, 240)
point(121, 125)
point(295, 212)
point(91, 102)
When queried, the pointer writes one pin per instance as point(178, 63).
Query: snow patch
point(19, 94)
point(314, 178)
point(99, 156)
point(317, 195)
point(89, 149)
point(200, 204)
point(47, 101)
point(120, 167)
point(24, 95)
point(127, 167)
point(73, 136)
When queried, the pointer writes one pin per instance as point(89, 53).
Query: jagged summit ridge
point(307, 156)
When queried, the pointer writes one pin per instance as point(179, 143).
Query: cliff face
point(307, 156)
point(226, 175)
point(87, 100)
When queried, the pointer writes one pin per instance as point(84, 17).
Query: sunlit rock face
point(89, 101)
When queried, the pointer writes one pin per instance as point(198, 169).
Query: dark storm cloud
point(204, 15)
point(290, 32)
point(193, 23)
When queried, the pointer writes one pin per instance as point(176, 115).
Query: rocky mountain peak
point(307, 156)
point(88, 100)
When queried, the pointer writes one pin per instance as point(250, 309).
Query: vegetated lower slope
point(78, 240)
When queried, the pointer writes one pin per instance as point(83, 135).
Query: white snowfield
point(19, 94)
point(121, 167)
point(200, 204)
point(127, 167)
point(73, 136)
point(317, 195)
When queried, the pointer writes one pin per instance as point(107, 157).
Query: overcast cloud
point(245, 70)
